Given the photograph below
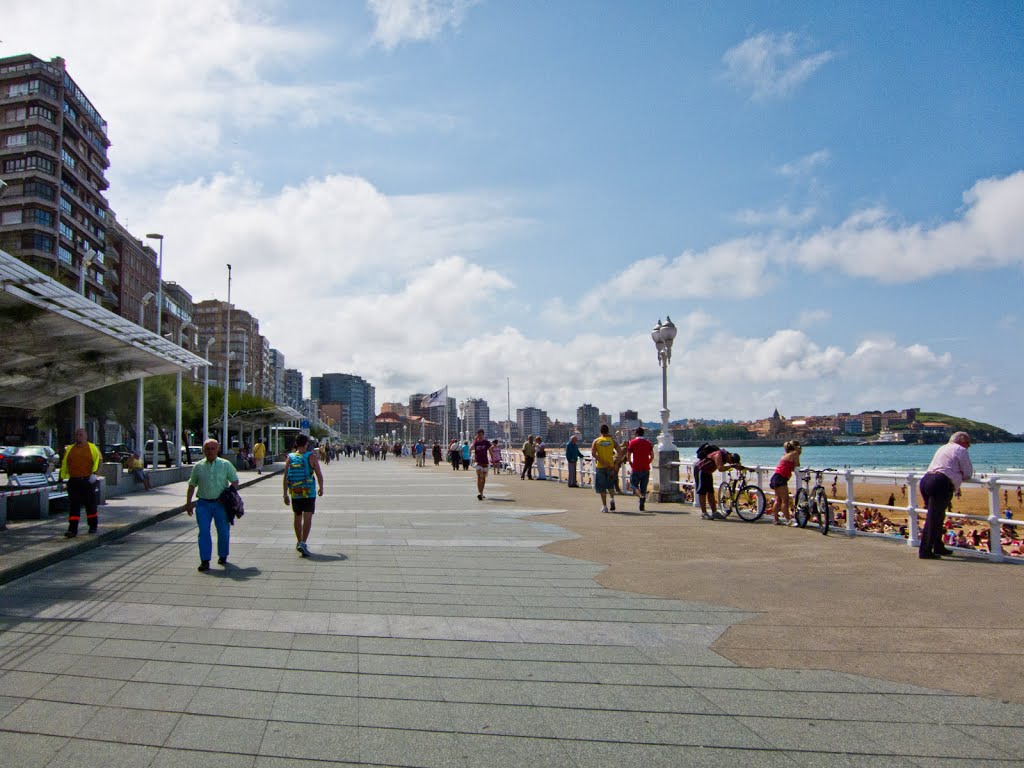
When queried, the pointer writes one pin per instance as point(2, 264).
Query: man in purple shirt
point(950, 466)
point(481, 456)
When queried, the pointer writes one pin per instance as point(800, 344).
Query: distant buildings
point(532, 421)
point(355, 398)
point(292, 388)
point(588, 422)
point(476, 415)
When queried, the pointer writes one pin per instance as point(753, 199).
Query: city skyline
point(825, 200)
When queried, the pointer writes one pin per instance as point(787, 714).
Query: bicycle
point(737, 495)
point(812, 502)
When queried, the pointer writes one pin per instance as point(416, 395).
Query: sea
point(989, 458)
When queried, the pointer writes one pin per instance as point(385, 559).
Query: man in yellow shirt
point(78, 468)
point(259, 452)
point(603, 451)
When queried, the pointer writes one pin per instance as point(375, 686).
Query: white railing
point(557, 468)
point(993, 484)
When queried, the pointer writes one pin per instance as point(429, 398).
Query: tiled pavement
point(428, 629)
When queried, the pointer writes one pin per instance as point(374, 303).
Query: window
point(16, 140)
point(68, 158)
point(10, 217)
point(20, 89)
point(65, 204)
point(14, 115)
point(64, 254)
point(38, 242)
point(39, 216)
point(39, 189)
point(70, 111)
point(67, 231)
point(42, 112)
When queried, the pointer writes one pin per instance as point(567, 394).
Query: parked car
point(6, 451)
point(196, 452)
point(117, 452)
point(32, 458)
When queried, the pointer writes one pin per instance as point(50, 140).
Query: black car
point(32, 458)
point(117, 452)
point(6, 451)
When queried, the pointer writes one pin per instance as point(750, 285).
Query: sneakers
point(222, 561)
point(604, 509)
point(303, 549)
point(611, 506)
point(204, 566)
point(298, 546)
point(642, 503)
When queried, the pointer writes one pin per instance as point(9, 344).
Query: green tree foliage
point(979, 431)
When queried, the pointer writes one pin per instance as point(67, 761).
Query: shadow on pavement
point(326, 558)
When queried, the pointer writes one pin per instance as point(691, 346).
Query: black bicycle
point(735, 494)
point(812, 503)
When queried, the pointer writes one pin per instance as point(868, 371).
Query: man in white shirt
point(950, 466)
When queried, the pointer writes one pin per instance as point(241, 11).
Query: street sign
point(304, 424)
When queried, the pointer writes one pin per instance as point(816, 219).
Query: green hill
point(979, 431)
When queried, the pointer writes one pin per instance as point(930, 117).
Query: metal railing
point(995, 520)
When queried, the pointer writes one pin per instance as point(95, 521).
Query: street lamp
point(206, 392)
point(224, 442)
point(664, 335)
point(139, 390)
point(159, 311)
point(177, 397)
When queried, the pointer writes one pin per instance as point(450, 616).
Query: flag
point(435, 398)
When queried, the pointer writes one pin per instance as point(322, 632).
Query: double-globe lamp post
point(664, 335)
point(140, 388)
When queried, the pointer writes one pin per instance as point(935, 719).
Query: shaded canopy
point(262, 417)
point(55, 343)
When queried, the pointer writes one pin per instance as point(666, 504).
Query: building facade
point(350, 390)
point(476, 415)
point(276, 376)
point(532, 421)
point(588, 422)
point(292, 387)
point(53, 157)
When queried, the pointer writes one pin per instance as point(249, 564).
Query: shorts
point(604, 479)
point(304, 504)
point(778, 481)
point(480, 467)
point(704, 483)
point(639, 480)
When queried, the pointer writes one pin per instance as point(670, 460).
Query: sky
point(827, 199)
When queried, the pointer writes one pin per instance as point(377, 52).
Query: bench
point(37, 489)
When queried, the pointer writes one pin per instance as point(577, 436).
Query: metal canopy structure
point(264, 417)
point(55, 343)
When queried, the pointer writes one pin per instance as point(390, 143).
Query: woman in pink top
point(495, 457)
point(780, 480)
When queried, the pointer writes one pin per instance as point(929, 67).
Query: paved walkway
point(427, 629)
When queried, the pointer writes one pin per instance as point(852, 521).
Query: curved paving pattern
point(428, 629)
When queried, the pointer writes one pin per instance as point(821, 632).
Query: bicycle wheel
point(820, 503)
point(725, 498)
point(802, 507)
point(750, 503)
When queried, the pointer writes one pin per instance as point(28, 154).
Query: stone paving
point(427, 629)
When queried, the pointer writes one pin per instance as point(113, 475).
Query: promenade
point(431, 629)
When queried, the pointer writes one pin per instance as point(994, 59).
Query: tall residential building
point(353, 391)
point(248, 347)
point(532, 421)
point(53, 157)
point(292, 388)
point(445, 415)
point(399, 409)
point(135, 264)
point(276, 377)
point(559, 432)
point(416, 404)
point(178, 312)
point(477, 414)
point(588, 422)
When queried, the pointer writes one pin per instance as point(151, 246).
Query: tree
point(116, 402)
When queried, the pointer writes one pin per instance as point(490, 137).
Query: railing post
point(913, 535)
point(995, 534)
point(851, 522)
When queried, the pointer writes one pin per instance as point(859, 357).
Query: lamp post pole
point(177, 399)
point(206, 392)
point(140, 389)
point(87, 261)
point(668, 471)
point(159, 313)
point(225, 442)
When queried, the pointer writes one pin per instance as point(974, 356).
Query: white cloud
point(401, 20)
point(809, 317)
point(769, 65)
point(779, 218)
point(806, 165)
point(872, 244)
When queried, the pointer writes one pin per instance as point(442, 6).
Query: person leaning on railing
point(950, 466)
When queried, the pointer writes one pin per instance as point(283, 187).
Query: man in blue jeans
point(210, 478)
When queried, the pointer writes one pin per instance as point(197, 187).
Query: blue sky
point(825, 198)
